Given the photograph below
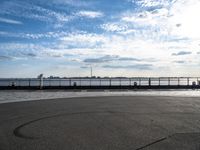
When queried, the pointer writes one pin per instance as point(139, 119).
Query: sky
point(115, 37)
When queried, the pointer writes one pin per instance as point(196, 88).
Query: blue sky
point(115, 37)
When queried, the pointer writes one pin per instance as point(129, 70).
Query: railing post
point(158, 81)
point(149, 81)
point(110, 81)
point(178, 81)
point(19, 82)
point(188, 81)
point(70, 82)
point(139, 81)
point(29, 82)
point(168, 81)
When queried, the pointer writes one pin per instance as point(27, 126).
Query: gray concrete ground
point(102, 123)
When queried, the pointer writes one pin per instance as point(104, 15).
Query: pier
point(102, 83)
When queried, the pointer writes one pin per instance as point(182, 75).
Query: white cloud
point(113, 45)
point(90, 14)
point(125, 47)
point(146, 17)
point(24, 9)
point(76, 3)
point(52, 14)
point(46, 35)
point(85, 40)
point(145, 35)
point(176, 25)
point(22, 51)
point(184, 20)
point(172, 18)
point(10, 21)
point(114, 27)
point(3, 33)
point(152, 3)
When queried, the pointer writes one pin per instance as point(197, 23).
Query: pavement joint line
point(162, 139)
point(152, 143)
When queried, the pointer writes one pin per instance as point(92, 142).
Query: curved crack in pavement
point(17, 131)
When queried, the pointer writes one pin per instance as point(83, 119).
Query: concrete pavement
point(102, 123)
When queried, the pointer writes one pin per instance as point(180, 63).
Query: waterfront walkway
point(102, 123)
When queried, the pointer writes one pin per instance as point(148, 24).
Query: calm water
point(15, 96)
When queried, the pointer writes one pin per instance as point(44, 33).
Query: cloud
point(47, 13)
point(154, 29)
point(36, 51)
point(113, 27)
point(45, 35)
point(179, 61)
point(141, 24)
point(178, 25)
point(52, 53)
point(94, 45)
point(133, 67)
point(53, 14)
point(84, 67)
point(83, 40)
point(31, 54)
point(128, 59)
point(103, 59)
point(10, 21)
point(90, 14)
point(27, 10)
point(182, 53)
point(185, 14)
point(159, 20)
point(24, 51)
point(109, 58)
point(5, 58)
point(152, 3)
point(75, 3)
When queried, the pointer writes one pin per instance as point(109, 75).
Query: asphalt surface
point(102, 123)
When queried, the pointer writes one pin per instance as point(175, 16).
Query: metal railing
point(102, 82)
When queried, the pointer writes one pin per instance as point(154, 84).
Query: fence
point(136, 82)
